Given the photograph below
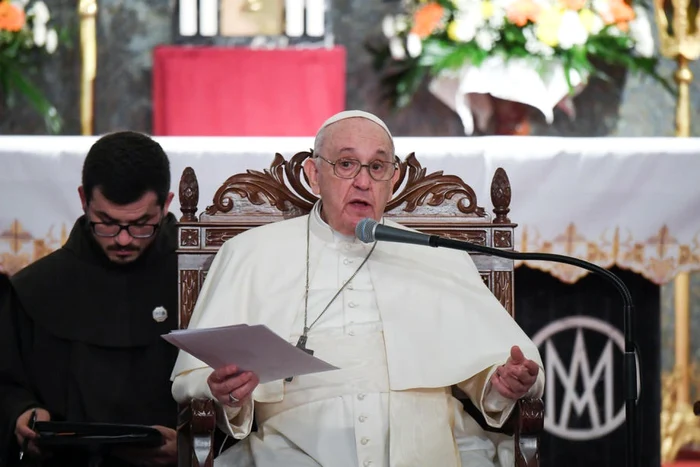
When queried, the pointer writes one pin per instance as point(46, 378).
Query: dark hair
point(124, 166)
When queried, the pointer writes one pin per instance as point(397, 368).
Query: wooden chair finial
point(189, 195)
point(500, 196)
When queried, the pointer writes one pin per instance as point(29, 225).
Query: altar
point(627, 204)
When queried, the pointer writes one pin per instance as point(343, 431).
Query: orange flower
point(575, 5)
point(621, 11)
point(521, 11)
point(427, 19)
point(11, 17)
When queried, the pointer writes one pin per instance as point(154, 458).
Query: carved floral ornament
point(281, 186)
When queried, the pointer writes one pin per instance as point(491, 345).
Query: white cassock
point(411, 323)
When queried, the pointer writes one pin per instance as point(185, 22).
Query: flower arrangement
point(24, 33)
point(548, 48)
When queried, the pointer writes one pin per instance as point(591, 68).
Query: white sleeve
point(237, 422)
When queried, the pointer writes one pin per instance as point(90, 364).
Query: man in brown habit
point(80, 329)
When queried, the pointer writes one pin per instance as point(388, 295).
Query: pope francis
point(403, 323)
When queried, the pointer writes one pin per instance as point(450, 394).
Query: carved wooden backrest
point(433, 203)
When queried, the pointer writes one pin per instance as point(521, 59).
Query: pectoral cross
point(301, 344)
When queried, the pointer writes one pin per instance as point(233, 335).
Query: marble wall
point(129, 29)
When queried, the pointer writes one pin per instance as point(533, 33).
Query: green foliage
point(18, 56)
point(441, 54)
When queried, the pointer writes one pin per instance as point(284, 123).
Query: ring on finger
point(232, 398)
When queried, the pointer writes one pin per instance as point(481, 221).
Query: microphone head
point(364, 231)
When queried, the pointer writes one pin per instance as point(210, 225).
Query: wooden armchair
point(433, 203)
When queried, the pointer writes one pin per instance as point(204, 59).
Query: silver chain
point(306, 295)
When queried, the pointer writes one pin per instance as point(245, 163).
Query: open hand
point(231, 387)
point(22, 430)
point(514, 379)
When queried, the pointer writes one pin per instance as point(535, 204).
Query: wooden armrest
point(528, 418)
point(196, 424)
point(525, 424)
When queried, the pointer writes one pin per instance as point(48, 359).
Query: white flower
point(485, 39)
point(571, 31)
point(400, 23)
point(602, 8)
point(398, 52)
point(414, 46)
point(463, 5)
point(471, 8)
point(51, 41)
point(474, 12)
point(40, 34)
point(641, 33)
point(464, 28)
point(20, 3)
point(598, 25)
point(40, 12)
point(534, 46)
point(389, 26)
point(498, 18)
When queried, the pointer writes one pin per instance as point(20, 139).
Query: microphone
point(369, 231)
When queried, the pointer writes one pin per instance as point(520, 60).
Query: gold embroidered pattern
point(658, 258)
point(19, 247)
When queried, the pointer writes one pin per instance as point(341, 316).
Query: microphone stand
point(629, 362)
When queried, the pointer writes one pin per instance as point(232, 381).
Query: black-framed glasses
point(111, 229)
point(347, 167)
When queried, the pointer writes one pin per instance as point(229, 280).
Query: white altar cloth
point(631, 202)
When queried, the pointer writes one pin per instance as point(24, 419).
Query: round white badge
point(160, 314)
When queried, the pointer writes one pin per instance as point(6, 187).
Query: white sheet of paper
point(252, 348)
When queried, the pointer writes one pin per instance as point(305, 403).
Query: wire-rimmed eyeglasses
point(347, 167)
point(111, 229)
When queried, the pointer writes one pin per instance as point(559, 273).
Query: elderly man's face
point(347, 201)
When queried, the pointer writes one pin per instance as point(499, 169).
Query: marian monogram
point(582, 399)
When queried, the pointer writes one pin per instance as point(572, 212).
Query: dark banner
point(579, 330)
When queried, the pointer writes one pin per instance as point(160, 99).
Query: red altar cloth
point(226, 91)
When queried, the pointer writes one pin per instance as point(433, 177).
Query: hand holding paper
point(254, 349)
point(232, 387)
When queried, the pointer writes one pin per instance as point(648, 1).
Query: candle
point(188, 17)
point(315, 17)
point(208, 17)
point(294, 17)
